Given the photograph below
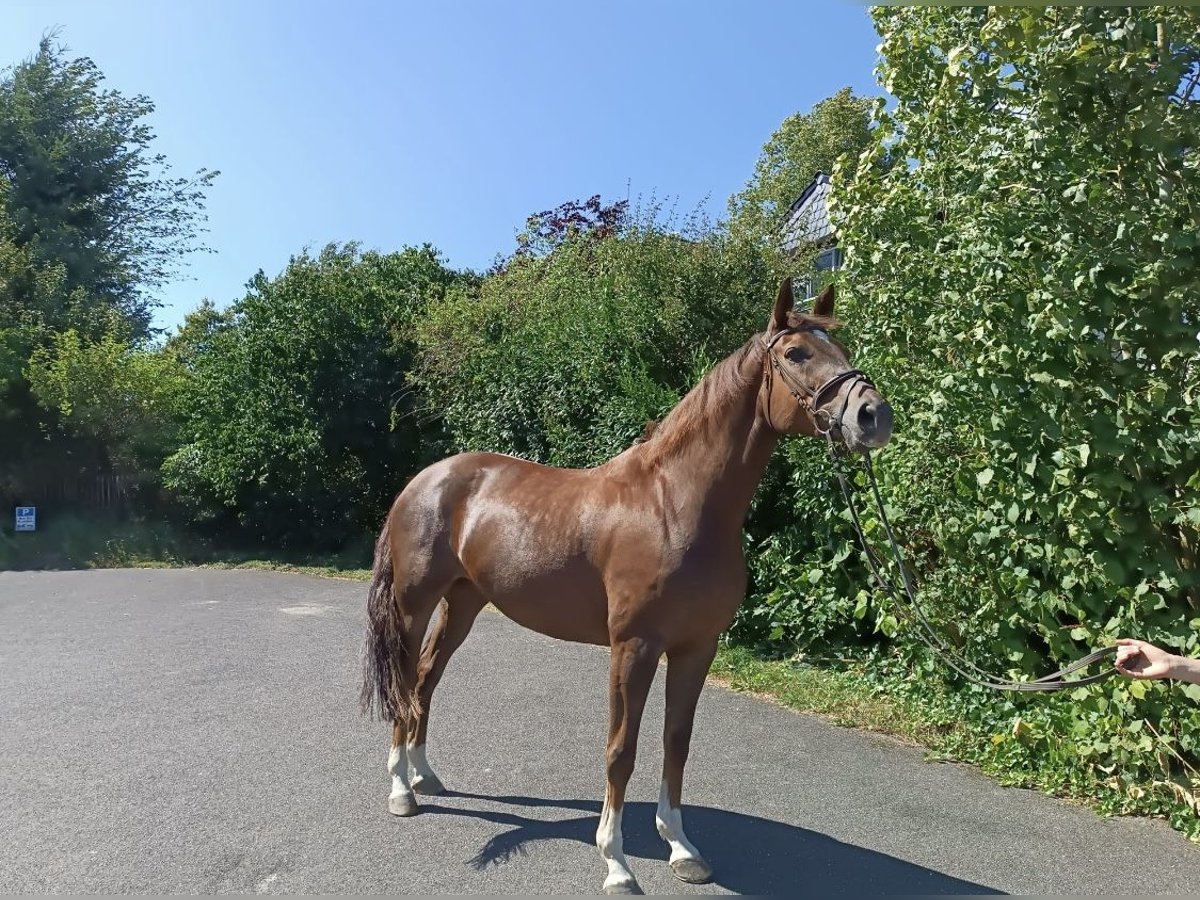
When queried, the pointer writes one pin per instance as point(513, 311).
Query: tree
point(564, 357)
point(805, 144)
point(300, 421)
point(126, 397)
point(26, 286)
point(84, 191)
point(90, 223)
point(592, 220)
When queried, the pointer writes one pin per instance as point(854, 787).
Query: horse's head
point(810, 386)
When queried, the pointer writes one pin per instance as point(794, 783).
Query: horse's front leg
point(631, 671)
point(686, 671)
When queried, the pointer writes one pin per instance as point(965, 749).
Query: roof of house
point(807, 219)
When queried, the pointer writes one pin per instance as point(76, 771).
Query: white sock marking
point(418, 766)
point(670, 827)
point(611, 845)
point(398, 766)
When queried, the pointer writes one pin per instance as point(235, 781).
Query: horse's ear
point(783, 305)
point(823, 305)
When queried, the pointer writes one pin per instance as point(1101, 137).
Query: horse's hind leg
point(459, 610)
point(417, 603)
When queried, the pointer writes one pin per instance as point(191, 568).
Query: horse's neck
point(720, 467)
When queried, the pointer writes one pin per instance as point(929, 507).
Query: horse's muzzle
point(871, 427)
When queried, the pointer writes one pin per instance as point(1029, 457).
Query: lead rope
point(964, 667)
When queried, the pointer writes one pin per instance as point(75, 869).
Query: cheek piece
point(814, 400)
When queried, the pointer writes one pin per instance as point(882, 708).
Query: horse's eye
point(797, 355)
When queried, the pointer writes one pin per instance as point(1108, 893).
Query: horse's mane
point(647, 431)
point(810, 321)
point(707, 403)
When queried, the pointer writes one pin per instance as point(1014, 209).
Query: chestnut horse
point(642, 554)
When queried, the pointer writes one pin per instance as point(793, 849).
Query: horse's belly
point(568, 612)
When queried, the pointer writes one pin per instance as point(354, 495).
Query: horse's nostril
point(875, 421)
point(867, 418)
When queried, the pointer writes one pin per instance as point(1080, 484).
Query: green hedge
point(1027, 288)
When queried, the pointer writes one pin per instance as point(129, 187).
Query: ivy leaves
point(1029, 287)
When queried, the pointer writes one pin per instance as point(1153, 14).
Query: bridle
point(813, 400)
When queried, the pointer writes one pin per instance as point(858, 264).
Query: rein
point(826, 424)
point(1055, 681)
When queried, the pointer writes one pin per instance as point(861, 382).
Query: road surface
point(197, 731)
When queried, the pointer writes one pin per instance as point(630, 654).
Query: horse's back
point(464, 477)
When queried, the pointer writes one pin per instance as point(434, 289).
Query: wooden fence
point(108, 491)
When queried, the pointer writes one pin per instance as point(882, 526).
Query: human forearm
point(1184, 668)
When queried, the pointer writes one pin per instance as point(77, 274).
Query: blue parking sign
point(26, 518)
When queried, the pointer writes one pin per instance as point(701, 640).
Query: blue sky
point(395, 123)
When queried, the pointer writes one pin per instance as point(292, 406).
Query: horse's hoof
point(429, 785)
point(623, 887)
point(402, 805)
point(692, 871)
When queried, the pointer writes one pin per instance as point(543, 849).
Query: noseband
point(813, 400)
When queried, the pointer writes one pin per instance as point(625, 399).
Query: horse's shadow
point(749, 855)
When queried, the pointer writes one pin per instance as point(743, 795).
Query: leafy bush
point(299, 422)
point(562, 357)
point(1027, 292)
point(126, 396)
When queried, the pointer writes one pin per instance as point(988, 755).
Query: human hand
point(1137, 659)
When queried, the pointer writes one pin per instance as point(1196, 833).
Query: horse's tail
point(385, 688)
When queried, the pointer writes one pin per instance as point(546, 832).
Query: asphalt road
point(198, 732)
